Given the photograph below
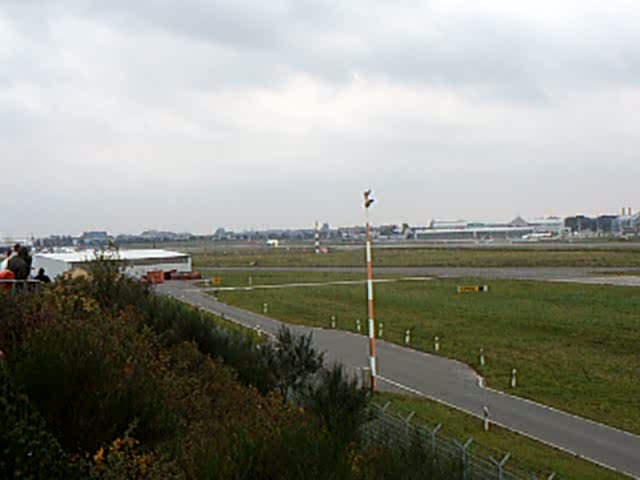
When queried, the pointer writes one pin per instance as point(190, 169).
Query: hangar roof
point(89, 255)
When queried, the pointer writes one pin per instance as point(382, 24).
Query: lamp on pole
point(368, 201)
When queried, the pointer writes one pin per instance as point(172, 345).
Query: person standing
point(43, 277)
point(18, 264)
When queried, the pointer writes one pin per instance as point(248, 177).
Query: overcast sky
point(128, 115)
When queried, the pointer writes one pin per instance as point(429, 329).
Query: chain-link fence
point(400, 430)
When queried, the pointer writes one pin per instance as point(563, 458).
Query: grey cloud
point(106, 104)
point(510, 57)
point(266, 41)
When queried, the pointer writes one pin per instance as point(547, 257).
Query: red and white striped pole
point(317, 239)
point(372, 335)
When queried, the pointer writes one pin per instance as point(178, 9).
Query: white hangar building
point(135, 262)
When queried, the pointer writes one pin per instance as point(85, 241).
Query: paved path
point(616, 280)
point(515, 273)
point(277, 286)
point(450, 382)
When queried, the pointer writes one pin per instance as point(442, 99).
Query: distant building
point(601, 225)
point(95, 238)
point(628, 224)
point(135, 262)
point(353, 233)
point(604, 223)
point(473, 233)
point(518, 228)
point(580, 223)
point(553, 225)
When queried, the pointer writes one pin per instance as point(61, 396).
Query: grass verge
point(416, 257)
point(575, 346)
point(527, 455)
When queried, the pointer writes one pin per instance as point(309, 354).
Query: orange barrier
point(155, 277)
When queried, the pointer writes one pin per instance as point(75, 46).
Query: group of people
point(17, 266)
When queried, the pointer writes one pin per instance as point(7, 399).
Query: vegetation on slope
point(100, 378)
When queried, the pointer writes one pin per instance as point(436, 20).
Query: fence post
point(500, 464)
point(383, 414)
point(432, 434)
point(550, 477)
point(463, 449)
point(406, 421)
point(365, 377)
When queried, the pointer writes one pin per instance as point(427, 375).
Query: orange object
point(7, 275)
point(155, 277)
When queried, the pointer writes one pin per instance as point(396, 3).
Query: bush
point(123, 458)
point(292, 362)
point(175, 322)
point(301, 452)
point(131, 385)
point(27, 449)
point(92, 378)
point(341, 405)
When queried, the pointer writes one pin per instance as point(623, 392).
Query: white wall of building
point(137, 263)
point(52, 267)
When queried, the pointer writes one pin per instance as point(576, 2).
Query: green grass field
point(415, 257)
point(576, 347)
point(527, 455)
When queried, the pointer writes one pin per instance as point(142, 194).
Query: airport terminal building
point(518, 228)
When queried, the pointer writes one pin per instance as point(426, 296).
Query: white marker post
point(333, 321)
point(485, 415)
point(482, 357)
point(265, 308)
point(407, 337)
point(250, 280)
point(358, 328)
point(380, 329)
point(436, 344)
point(513, 378)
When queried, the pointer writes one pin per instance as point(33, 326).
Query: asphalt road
point(616, 280)
point(450, 382)
point(511, 273)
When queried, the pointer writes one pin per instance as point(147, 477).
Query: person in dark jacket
point(19, 267)
point(44, 278)
point(20, 264)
